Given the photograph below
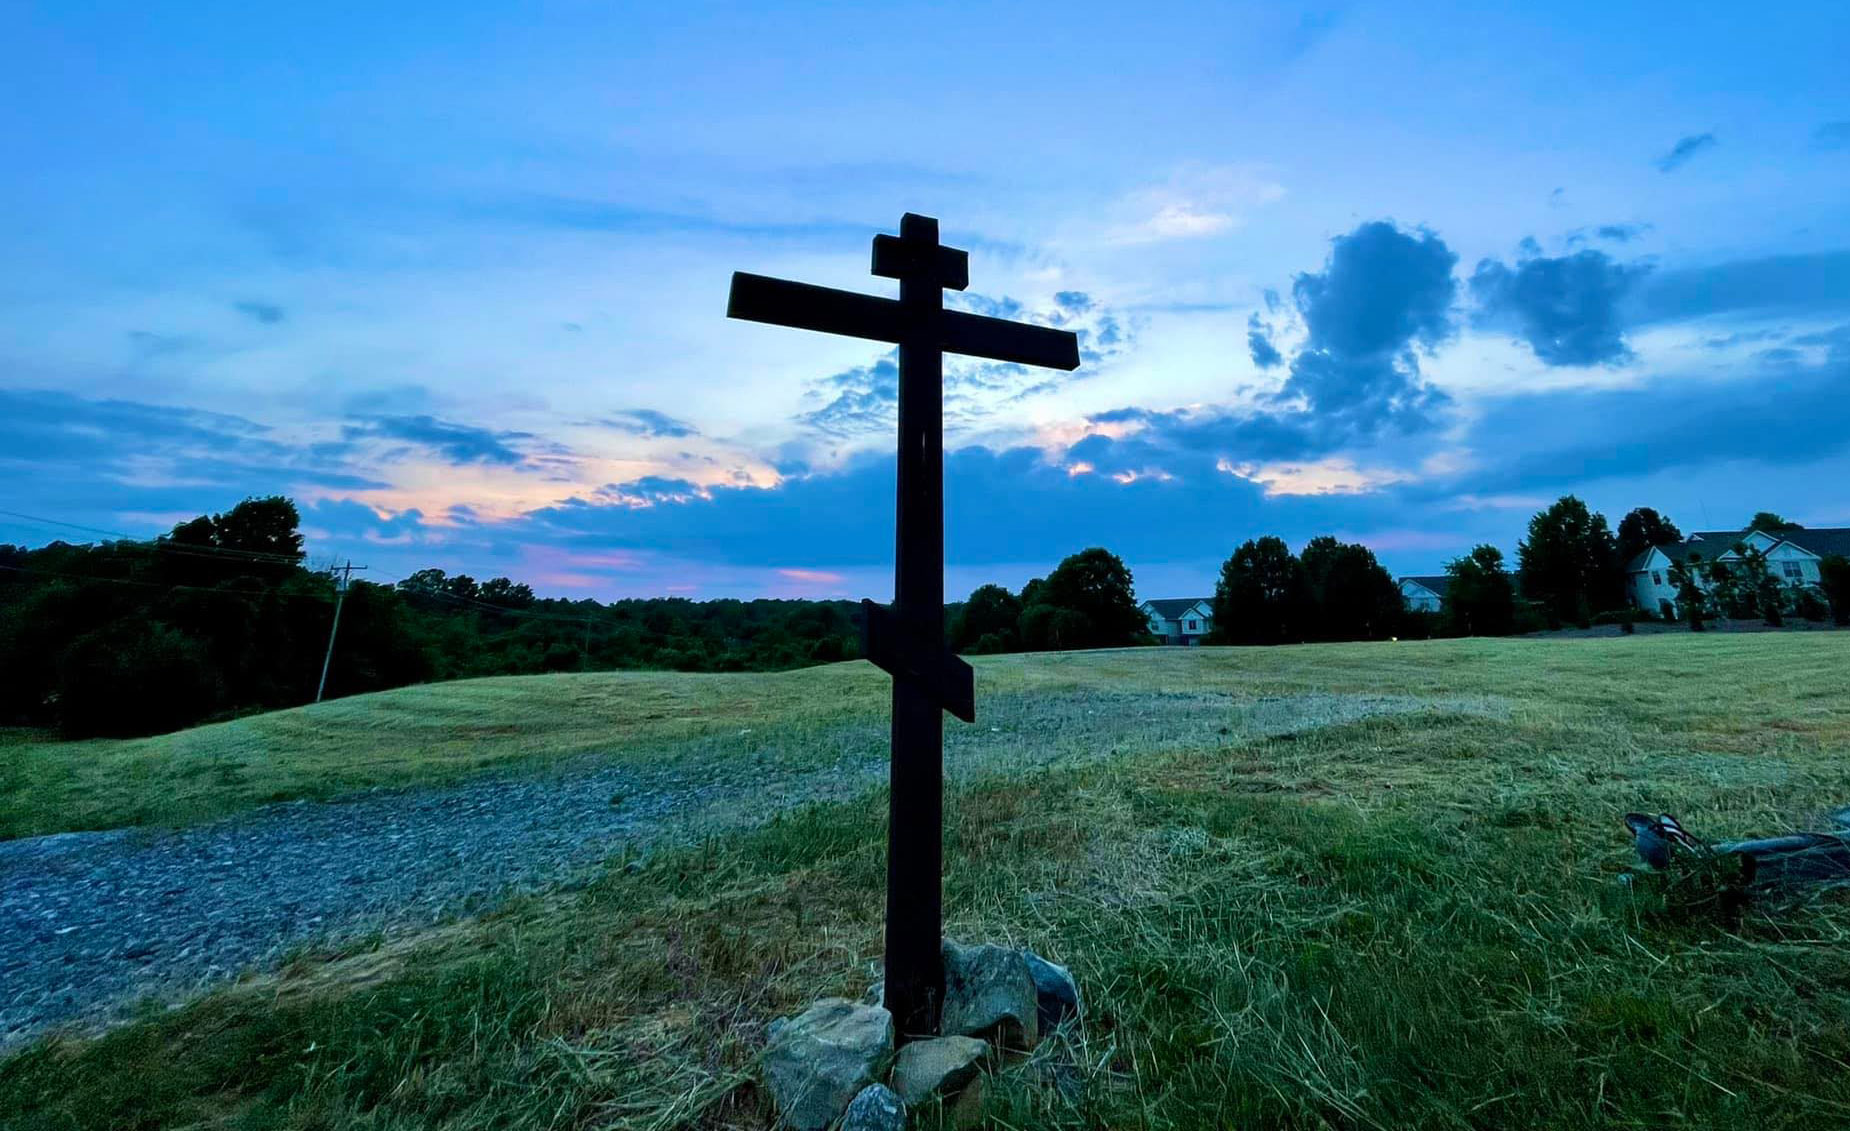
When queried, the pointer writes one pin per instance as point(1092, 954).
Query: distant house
point(1180, 620)
point(1792, 557)
point(1425, 594)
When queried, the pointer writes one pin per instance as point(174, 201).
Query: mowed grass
point(1406, 920)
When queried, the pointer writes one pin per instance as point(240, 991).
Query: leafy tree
point(1355, 599)
point(1263, 595)
point(506, 593)
point(1642, 528)
point(260, 526)
point(1569, 562)
point(1757, 590)
point(1480, 600)
point(1771, 523)
point(1094, 588)
point(1834, 579)
point(988, 621)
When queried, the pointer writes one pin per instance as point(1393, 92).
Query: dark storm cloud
point(1685, 149)
point(457, 443)
point(1567, 308)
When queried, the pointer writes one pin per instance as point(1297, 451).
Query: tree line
point(1572, 569)
point(221, 616)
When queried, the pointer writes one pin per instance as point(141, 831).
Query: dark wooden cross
point(907, 641)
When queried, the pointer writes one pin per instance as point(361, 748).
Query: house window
point(1793, 572)
point(1657, 578)
point(1191, 626)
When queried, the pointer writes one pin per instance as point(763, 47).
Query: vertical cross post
point(914, 887)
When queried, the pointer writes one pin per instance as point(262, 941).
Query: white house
point(1180, 620)
point(1792, 557)
point(1424, 594)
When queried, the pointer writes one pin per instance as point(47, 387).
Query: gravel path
point(90, 922)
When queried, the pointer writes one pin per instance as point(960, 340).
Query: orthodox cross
point(907, 641)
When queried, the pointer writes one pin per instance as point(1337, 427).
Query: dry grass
point(1403, 919)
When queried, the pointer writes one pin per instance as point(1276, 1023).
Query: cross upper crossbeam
point(805, 306)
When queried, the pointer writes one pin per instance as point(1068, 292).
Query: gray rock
point(876, 993)
point(1057, 995)
point(818, 1060)
point(988, 991)
point(942, 1066)
point(876, 1108)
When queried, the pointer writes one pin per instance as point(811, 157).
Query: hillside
point(1359, 886)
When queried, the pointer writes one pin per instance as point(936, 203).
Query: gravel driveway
point(91, 922)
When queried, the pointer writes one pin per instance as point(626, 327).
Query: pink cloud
point(812, 576)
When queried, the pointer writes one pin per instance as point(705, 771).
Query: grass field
point(1404, 919)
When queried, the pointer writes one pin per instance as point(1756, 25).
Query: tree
point(508, 594)
point(1094, 588)
point(1834, 579)
point(1263, 595)
point(1641, 529)
point(988, 622)
point(1480, 600)
point(1570, 562)
point(1756, 590)
point(260, 526)
point(1354, 598)
point(1692, 595)
point(1771, 523)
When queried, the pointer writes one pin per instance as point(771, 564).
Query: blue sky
point(454, 276)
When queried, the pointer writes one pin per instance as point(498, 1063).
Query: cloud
point(650, 490)
point(1812, 284)
point(267, 313)
point(582, 215)
point(1621, 233)
point(1567, 308)
point(458, 443)
point(149, 344)
point(648, 422)
point(1832, 135)
point(1259, 344)
point(1780, 414)
point(1685, 149)
point(1383, 293)
point(1197, 202)
point(67, 455)
point(858, 400)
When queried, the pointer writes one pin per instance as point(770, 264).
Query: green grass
point(1401, 920)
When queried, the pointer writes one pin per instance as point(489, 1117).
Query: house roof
point(1712, 544)
point(1823, 542)
point(1169, 608)
point(1437, 583)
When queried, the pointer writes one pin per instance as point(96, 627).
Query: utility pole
point(340, 598)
